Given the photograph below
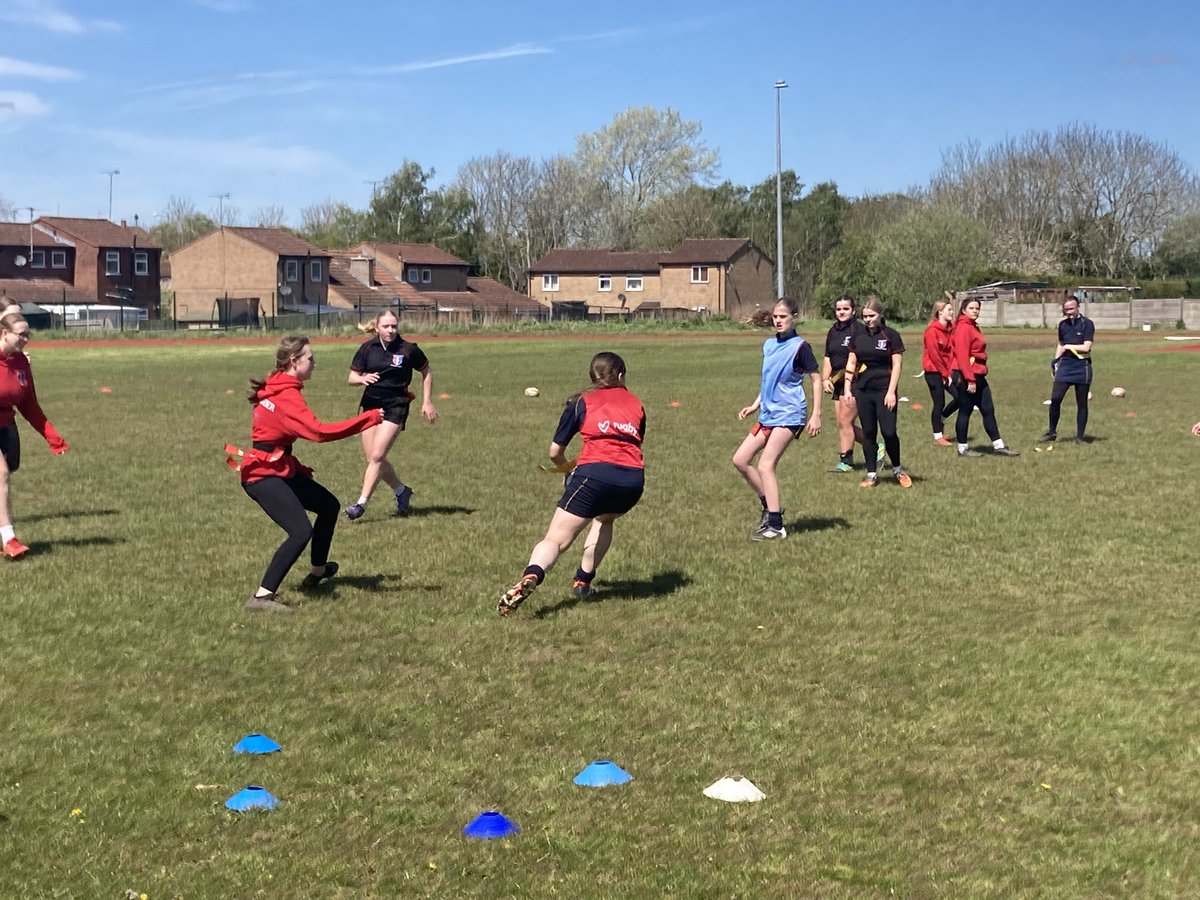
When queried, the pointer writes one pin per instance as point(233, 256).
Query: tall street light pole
point(779, 86)
point(110, 173)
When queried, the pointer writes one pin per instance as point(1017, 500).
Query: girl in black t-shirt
point(384, 366)
point(872, 374)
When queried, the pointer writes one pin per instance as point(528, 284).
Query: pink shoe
point(14, 549)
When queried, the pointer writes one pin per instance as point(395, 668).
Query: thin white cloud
point(504, 53)
point(17, 68)
point(225, 6)
point(245, 154)
point(20, 103)
point(47, 14)
point(618, 34)
point(206, 96)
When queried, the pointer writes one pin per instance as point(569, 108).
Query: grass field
point(982, 687)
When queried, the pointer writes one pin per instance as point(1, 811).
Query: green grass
point(985, 686)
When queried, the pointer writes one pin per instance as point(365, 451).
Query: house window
point(141, 263)
point(549, 282)
point(699, 274)
point(426, 276)
point(605, 283)
point(291, 270)
point(112, 262)
point(314, 270)
point(58, 259)
point(633, 282)
point(414, 276)
point(37, 259)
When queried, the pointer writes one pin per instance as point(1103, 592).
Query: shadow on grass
point(817, 523)
point(658, 585)
point(370, 583)
point(45, 548)
point(418, 512)
point(69, 514)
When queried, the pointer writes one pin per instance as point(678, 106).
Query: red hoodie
point(17, 393)
point(280, 417)
point(939, 349)
point(970, 349)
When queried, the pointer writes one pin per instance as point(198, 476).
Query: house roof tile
point(41, 291)
point(568, 260)
point(16, 234)
point(711, 251)
point(99, 232)
point(278, 240)
point(413, 254)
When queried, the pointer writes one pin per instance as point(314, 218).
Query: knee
point(301, 534)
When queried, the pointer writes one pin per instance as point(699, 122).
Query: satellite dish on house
point(20, 260)
point(621, 297)
point(285, 291)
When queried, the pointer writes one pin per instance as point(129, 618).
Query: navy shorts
point(765, 430)
point(588, 497)
point(394, 411)
point(10, 446)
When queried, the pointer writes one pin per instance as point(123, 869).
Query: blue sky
point(291, 102)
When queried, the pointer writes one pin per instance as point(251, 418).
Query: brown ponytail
point(289, 349)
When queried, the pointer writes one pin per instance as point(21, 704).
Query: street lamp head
point(780, 84)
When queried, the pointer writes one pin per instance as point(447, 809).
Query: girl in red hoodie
point(17, 393)
point(937, 363)
point(970, 375)
point(274, 478)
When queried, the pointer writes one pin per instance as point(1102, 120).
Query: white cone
point(734, 790)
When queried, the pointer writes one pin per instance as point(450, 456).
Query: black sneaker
point(1006, 451)
point(768, 533)
point(404, 501)
point(1048, 438)
point(311, 581)
point(969, 452)
point(268, 603)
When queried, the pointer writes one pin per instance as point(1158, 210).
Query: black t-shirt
point(394, 363)
point(837, 344)
point(875, 349)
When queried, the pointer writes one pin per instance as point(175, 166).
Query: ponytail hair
point(874, 304)
point(938, 306)
point(289, 349)
point(9, 320)
point(606, 370)
point(372, 326)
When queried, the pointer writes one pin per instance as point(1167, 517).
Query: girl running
point(970, 377)
point(17, 393)
point(937, 363)
point(384, 365)
point(605, 484)
point(275, 479)
point(833, 369)
point(782, 411)
point(872, 373)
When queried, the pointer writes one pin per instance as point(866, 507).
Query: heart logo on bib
point(603, 426)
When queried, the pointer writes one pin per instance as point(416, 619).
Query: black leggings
point(967, 401)
point(938, 410)
point(875, 417)
point(1081, 406)
point(285, 501)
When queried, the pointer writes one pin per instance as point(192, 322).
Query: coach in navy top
point(1072, 366)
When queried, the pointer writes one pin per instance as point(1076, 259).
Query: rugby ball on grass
point(531, 392)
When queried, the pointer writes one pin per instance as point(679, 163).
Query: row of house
point(55, 260)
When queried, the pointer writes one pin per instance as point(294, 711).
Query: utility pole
point(110, 173)
point(779, 287)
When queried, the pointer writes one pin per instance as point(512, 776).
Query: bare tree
point(271, 216)
point(7, 211)
point(332, 224)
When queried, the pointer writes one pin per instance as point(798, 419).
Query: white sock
point(7, 533)
point(896, 470)
point(937, 435)
point(998, 444)
point(362, 501)
point(962, 448)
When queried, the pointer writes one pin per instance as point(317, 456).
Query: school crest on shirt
point(846, 341)
point(21, 379)
point(881, 343)
point(397, 360)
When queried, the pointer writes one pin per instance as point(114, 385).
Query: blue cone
point(493, 824)
point(256, 743)
point(252, 797)
point(602, 773)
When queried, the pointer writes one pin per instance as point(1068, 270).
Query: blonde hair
point(9, 319)
point(938, 306)
point(372, 327)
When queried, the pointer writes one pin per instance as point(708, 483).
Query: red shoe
point(942, 442)
point(14, 549)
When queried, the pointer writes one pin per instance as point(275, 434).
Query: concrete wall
point(1112, 316)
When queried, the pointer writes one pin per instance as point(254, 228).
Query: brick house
point(80, 261)
point(269, 265)
point(724, 276)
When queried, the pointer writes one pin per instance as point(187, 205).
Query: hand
point(889, 400)
point(378, 416)
point(1196, 429)
point(745, 411)
point(827, 386)
point(429, 412)
point(970, 387)
point(370, 377)
point(814, 426)
point(58, 446)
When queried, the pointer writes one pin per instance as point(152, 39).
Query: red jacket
point(939, 349)
point(280, 417)
point(970, 349)
point(17, 393)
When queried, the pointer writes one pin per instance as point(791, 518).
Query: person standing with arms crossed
point(384, 366)
point(1072, 366)
point(873, 373)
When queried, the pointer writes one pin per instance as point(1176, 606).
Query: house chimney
point(363, 269)
point(123, 225)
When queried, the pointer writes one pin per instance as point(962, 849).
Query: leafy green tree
point(812, 229)
point(180, 223)
point(332, 224)
point(932, 249)
point(1178, 253)
point(846, 270)
point(400, 208)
